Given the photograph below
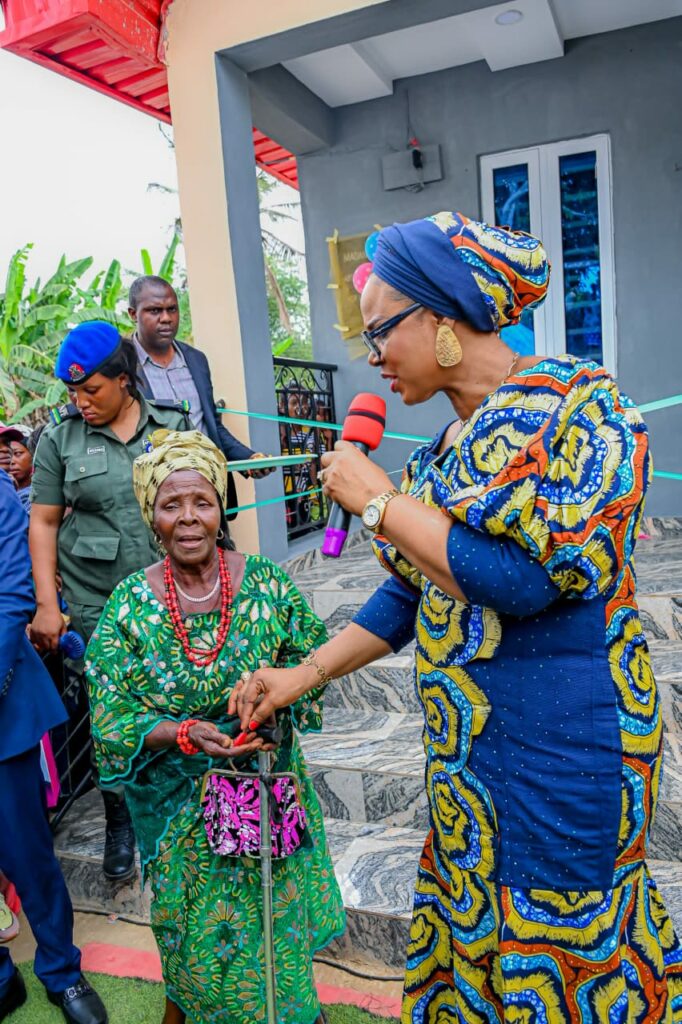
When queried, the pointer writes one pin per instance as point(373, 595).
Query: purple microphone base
point(333, 542)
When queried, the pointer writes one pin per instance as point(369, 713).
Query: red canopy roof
point(113, 46)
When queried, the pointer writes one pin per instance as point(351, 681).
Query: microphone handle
point(338, 523)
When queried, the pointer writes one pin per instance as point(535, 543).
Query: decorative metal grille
point(304, 390)
point(71, 743)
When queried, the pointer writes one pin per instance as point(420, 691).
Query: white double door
point(561, 192)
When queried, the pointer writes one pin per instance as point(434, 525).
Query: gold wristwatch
point(374, 511)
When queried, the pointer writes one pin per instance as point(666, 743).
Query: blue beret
point(85, 349)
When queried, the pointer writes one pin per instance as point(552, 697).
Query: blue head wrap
point(85, 349)
point(464, 269)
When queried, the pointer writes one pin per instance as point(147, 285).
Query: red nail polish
point(253, 726)
point(241, 739)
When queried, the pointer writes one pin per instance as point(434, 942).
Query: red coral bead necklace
point(201, 658)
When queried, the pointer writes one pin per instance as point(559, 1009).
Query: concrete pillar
point(219, 206)
point(212, 123)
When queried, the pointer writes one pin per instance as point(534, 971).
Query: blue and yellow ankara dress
point(534, 904)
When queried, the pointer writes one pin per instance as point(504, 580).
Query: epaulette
point(63, 412)
point(169, 403)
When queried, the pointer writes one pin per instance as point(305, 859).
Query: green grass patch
point(131, 1001)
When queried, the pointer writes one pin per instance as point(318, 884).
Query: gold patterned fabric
point(464, 269)
point(169, 451)
point(543, 733)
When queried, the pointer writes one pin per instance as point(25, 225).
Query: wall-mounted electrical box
point(399, 169)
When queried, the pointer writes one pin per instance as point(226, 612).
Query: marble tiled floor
point(376, 866)
point(376, 740)
point(337, 589)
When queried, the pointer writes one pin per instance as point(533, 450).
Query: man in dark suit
point(29, 706)
point(171, 369)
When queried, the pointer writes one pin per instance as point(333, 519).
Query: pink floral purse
point(232, 814)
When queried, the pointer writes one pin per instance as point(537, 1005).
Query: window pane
point(580, 241)
point(512, 209)
point(512, 199)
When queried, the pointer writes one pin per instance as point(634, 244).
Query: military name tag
point(96, 451)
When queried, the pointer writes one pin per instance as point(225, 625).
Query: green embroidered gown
point(206, 909)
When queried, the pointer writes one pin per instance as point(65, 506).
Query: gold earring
point(448, 348)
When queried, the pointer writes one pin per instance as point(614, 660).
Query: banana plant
point(33, 322)
point(34, 319)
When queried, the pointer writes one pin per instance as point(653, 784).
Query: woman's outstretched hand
point(258, 695)
point(210, 740)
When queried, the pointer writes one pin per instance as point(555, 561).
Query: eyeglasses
point(370, 338)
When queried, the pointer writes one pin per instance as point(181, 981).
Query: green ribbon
point(661, 403)
point(320, 424)
point(272, 501)
point(287, 497)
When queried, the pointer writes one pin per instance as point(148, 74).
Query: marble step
point(375, 863)
point(663, 526)
point(79, 845)
point(369, 767)
point(661, 615)
point(385, 686)
point(376, 866)
point(388, 684)
point(337, 589)
point(658, 565)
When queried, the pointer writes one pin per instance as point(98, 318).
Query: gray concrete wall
point(626, 83)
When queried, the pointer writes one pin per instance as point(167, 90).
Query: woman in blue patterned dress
point(510, 548)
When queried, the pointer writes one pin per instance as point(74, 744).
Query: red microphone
point(364, 427)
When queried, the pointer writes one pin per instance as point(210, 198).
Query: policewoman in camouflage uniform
point(85, 519)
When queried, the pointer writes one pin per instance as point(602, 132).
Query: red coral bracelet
point(182, 737)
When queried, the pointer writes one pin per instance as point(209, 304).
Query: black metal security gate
point(304, 391)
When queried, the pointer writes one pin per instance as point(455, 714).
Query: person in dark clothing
point(171, 369)
point(7, 435)
point(21, 465)
point(29, 706)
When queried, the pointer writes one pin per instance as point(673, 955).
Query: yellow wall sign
point(345, 256)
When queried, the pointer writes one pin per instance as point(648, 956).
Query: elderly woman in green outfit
point(171, 645)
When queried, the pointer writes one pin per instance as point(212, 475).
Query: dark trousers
point(27, 859)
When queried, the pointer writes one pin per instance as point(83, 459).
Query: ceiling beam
point(372, 20)
point(288, 112)
point(346, 74)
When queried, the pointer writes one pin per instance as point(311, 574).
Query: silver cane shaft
point(266, 886)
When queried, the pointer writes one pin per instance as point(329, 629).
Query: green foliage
point(33, 321)
point(35, 318)
point(292, 292)
point(287, 288)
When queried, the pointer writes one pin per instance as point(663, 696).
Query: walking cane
point(264, 783)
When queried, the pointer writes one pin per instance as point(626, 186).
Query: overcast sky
point(74, 173)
